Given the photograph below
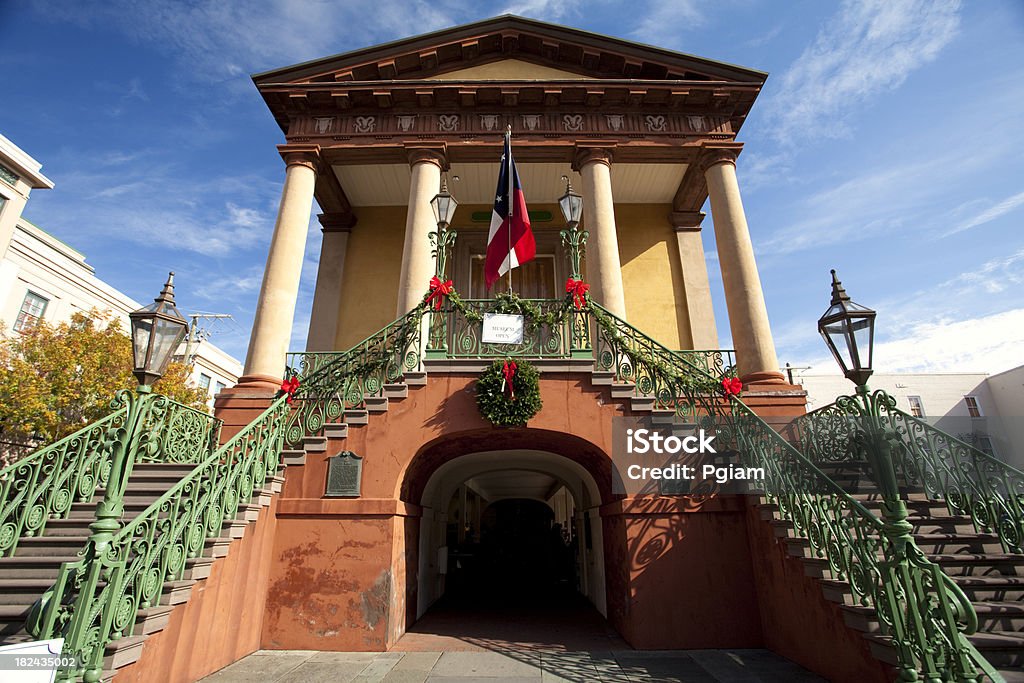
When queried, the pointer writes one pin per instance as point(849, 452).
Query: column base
point(257, 383)
point(768, 380)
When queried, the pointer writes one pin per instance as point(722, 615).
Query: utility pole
point(197, 335)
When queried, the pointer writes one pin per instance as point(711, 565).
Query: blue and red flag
point(510, 241)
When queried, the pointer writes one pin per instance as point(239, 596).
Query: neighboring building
point(19, 175)
point(42, 278)
point(983, 409)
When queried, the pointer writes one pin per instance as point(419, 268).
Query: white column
point(275, 310)
point(417, 262)
point(604, 271)
point(694, 275)
point(748, 316)
point(323, 321)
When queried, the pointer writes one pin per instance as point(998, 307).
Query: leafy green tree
point(55, 379)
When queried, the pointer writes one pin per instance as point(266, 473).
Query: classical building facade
point(647, 136)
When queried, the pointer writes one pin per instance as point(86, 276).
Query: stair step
point(314, 444)
point(177, 592)
point(396, 391)
point(75, 526)
point(415, 378)
point(357, 416)
point(1000, 616)
point(376, 404)
point(641, 404)
point(293, 458)
point(623, 390)
point(44, 546)
point(123, 652)
point(152, 619)
point(602, 377)
point(33, 567)
point(1001, 648)
point(996, 588)
point(974, 564)
point(22, 591)
point(337, 430)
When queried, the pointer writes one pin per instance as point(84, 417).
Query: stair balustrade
point(44, 485)
point(970, 481)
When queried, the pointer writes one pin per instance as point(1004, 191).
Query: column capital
point(428, 152)
point(686, 221)
point(300, 154)
point(588, 154)
point(337, 221)
point(720, 153)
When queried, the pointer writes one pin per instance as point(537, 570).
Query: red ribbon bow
point(732, 386)
point(289, 387)
point(509, 370)
point(578, 289)
point(438, 291)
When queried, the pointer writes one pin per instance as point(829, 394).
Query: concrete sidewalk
point(518, 666)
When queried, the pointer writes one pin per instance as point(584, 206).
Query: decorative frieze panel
point(473, 124)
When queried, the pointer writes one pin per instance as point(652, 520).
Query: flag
point(510, 240)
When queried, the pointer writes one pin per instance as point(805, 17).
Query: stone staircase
point(992, 579)
point(35, 565)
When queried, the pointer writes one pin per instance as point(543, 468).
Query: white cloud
point(992, 213)
point(230, 38)
point(990, 343)
point(868, 48)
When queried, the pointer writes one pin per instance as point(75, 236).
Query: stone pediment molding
point(510, 37)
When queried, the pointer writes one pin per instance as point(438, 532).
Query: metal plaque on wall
point(344, 475)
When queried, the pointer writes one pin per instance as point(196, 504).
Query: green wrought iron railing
point(97, 598)
point(922, 612)
point(552, 330)
point(332, 383)
point(970, 481)
point(45, 484)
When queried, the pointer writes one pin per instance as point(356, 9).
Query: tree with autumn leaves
point(55, 379)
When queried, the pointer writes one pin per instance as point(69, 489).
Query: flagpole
point(508, 161)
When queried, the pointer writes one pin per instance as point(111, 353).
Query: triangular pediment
point(510, 48)
point(508, 70)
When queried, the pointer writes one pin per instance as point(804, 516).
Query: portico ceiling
point(388, 184)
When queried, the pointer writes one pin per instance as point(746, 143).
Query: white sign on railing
point(500, 328)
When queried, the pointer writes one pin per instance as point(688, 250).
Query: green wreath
point(501, 407)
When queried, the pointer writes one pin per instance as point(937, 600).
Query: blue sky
point(887, 143)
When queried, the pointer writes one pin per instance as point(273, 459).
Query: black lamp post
point(444, 206)
point(157, 331)
point(573, 238)
point(849, 330)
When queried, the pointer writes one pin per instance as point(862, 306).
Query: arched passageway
point(511, 548)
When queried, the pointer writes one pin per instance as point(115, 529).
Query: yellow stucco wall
point(373, 263)
point(512, 69)
point(655, 303)
point(647, 249)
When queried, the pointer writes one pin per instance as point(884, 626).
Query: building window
point(204, 381)
point(32, 309)
point(916, 407)
point(8, 175)
point(985, 445)
point(973, 409)
point(220, 387)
